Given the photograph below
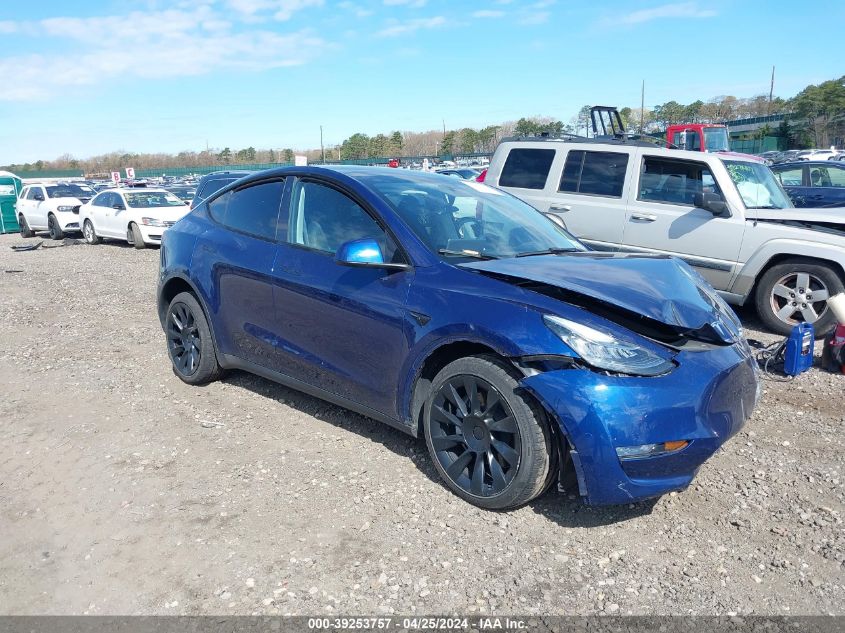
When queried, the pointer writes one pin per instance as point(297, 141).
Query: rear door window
point(790, 177)
point(253, 210)
point(527, 168)
point(594, 173)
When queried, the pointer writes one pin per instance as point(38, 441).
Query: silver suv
point(725, 214)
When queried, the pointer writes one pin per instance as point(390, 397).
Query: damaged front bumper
point(704, 402)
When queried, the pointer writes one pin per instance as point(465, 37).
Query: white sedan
point(138, 215)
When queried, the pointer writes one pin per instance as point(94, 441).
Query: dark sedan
point(813, 183)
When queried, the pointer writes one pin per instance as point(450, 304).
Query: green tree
point(487, 137)
point(379, 146)
point(822, 107)
point(287, 155)
point(447, 145)
point(469, 140)
point(397, 141)
point(225, 156)
point(356, 146)
point(525, 127)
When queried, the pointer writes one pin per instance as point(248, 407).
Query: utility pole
point(642, 107)
point(771, 91)
point(322, 151)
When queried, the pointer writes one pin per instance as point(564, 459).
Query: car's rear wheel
point(24, 226)
point(56, 232)
point(189, 342)
point(796, 291)
point(134, 237)
point(488, 441)
point(89, 233)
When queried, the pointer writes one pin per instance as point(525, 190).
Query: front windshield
point(716, 139)
point(149, 199)
point(465, 218)
point(70, 191)
point(757, 185)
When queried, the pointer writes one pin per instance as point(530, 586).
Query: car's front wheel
point(189, 342)
point(134, 237)
point(796, 291)
point(24, 226)
point(89, 233)
point(489, 443)
point(56, 232)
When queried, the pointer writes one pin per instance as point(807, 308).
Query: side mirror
point(39, 196)
point(712, 202)
point(118, 207)
point(364, 252)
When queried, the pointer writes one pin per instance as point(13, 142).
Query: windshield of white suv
point(69, 191)
point(757, 185)
point(716, 139)
point(463, 218)
point(148, 199)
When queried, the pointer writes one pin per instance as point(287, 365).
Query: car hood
point(660, 288)
point(68, 201)
point(821, 215)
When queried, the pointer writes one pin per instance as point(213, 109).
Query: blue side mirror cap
point(361, 252)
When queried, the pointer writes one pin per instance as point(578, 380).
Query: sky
point(87, 78)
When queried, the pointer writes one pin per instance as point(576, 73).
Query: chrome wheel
point(474, 436)
point(183, 339)
point(799, 298)
point(88, 232)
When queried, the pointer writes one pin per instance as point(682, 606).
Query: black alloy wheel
point(488, 440)
point(475, 436)
point(189, 342)
point(53, 226)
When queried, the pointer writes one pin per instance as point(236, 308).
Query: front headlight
point(152, 222)
point(605, 351)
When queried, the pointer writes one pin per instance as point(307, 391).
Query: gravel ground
point(124, 491)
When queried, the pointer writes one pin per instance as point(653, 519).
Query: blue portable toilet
point(10, 190)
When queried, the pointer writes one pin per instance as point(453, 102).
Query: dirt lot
point(124, 491)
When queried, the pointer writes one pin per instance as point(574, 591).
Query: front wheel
point(56, 232)
point(189, 342)
point(134, 237)
point(24, 226)
point(488, 442)
point(89, 233)
point(796, 291)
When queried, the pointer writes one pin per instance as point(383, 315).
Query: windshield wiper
point(464, 253)
point(548, 251)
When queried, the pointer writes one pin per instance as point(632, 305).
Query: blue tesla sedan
point(456, 312)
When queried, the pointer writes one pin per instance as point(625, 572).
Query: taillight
point(481, 176)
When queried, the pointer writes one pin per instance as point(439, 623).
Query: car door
point(342, 326)
point(795, 179)
point(237, 254)
point(662, 218)
point(24, 205)
point(118, 215)
point(100, 210)
point(38, 210)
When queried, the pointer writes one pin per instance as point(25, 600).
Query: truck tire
point(796, 291)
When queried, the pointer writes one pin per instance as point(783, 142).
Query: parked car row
point(773, 158)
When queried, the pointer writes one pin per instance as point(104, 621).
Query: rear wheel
point(56, 232)
point(24, 226)
point(89, 234)
point(796, 291)
point(134, 237)
point(189, 342)
point(489, 443)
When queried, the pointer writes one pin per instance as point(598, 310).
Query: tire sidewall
point(767, 281)
point(137, 238)
point(53, 227)
point(208, 369)
point(93, 239)
point(534, 434)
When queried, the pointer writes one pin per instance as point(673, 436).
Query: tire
point(56, 232)
point(134, 237)
point(24, 226)
point(492, 449)
point(786, 284)
point(89, 233)
point(189, 343)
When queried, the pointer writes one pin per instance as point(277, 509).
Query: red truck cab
point(698, 137)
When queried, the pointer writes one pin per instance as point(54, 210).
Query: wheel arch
point(785, 257)
point(175, 285)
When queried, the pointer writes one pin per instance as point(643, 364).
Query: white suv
point(52, 207)
point(724, 214)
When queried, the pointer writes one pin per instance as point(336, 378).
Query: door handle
point(562, 208)
point(644, 217)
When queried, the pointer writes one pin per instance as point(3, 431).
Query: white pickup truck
point(725, 214)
